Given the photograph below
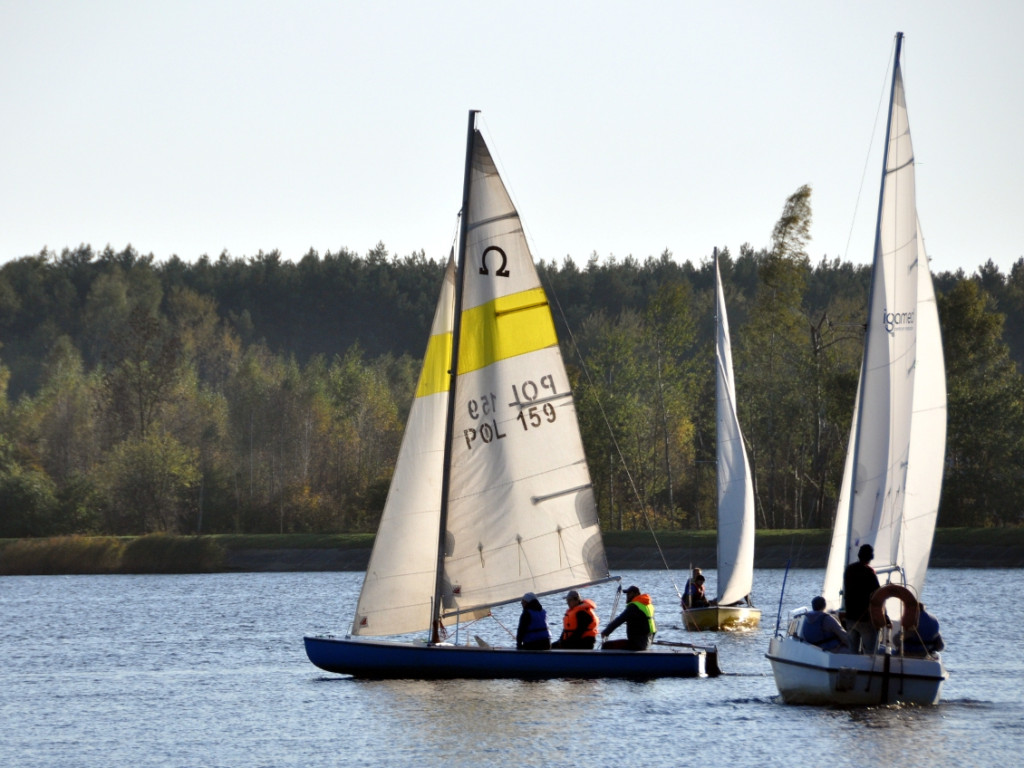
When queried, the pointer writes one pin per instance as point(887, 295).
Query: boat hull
point(805, 674)
point(382, 659)
point(721, 617)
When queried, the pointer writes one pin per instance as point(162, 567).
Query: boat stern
point(727, 618)
point(805, 674)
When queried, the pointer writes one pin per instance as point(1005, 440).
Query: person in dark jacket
point(694, 595)
point(859, 583)
point(533, 634)
point(639, 620)
point(579, 626)
point(822, 629)
point(926, 639)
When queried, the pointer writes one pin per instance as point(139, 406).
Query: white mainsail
point(521, 514)
point(898, 435)
point(735, 487)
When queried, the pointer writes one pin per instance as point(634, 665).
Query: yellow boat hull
point(714, 618)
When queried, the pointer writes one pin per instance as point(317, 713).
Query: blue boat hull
point(381, 659)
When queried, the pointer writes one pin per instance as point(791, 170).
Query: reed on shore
point(164, 553)
point(154, 553)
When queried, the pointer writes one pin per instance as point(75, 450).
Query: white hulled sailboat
point(891, 486)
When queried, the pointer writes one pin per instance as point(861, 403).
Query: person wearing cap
point(579, 625)
point(859, 583)
point(533, 634)
point(639, 620)
point(822, 629)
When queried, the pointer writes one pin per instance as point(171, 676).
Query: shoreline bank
point(626, 550)
point(619, 559)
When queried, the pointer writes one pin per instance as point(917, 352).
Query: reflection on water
point(526, 719)
point(210, 670)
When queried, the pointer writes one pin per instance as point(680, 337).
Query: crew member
point(579, 625)
point(639, 620)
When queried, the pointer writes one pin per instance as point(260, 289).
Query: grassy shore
point(159, 553)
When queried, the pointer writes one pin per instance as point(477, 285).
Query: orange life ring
point(911, 608)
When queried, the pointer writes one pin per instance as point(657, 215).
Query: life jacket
point(537, 629)
point(571, 620)
point(813, 631)
point(643, 602)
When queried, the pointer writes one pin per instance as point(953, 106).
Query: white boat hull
point(805, 674)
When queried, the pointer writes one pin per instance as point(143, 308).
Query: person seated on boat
point(579, 625)
point(639, 620)
point(822, 629)
point(925, 639)
point(694, 595)
point(533, 634)
point(859, 583)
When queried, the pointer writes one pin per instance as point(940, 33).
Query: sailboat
point(731, 609)
point(491, 496)
point(893, 477)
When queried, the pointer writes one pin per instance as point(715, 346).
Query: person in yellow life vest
point(579, 625)
point(639, 620)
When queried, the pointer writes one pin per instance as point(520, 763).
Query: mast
point(859, 412)
point(449, 424)
point(718, 427)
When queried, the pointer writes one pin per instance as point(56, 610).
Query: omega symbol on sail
point(502, 270)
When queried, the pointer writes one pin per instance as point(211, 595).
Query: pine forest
point(258, 395)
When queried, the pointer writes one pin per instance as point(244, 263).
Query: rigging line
point(867, 158)
point(455, 236)
point(550, 289)
point(498, 621)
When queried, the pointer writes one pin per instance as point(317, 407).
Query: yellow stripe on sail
point(434, 376)
point(506, 327)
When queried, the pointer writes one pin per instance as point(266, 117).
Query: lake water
point(209, 670)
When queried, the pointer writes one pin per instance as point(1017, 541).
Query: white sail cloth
point(521, 514)
point(897, 443)
point(736, 521)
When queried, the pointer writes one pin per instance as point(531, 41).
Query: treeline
point(246, 395)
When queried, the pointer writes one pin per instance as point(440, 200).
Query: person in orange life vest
point(532, 633)
point(639, 620)
point(579, 623)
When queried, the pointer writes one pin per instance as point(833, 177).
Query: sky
point(621, 128)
